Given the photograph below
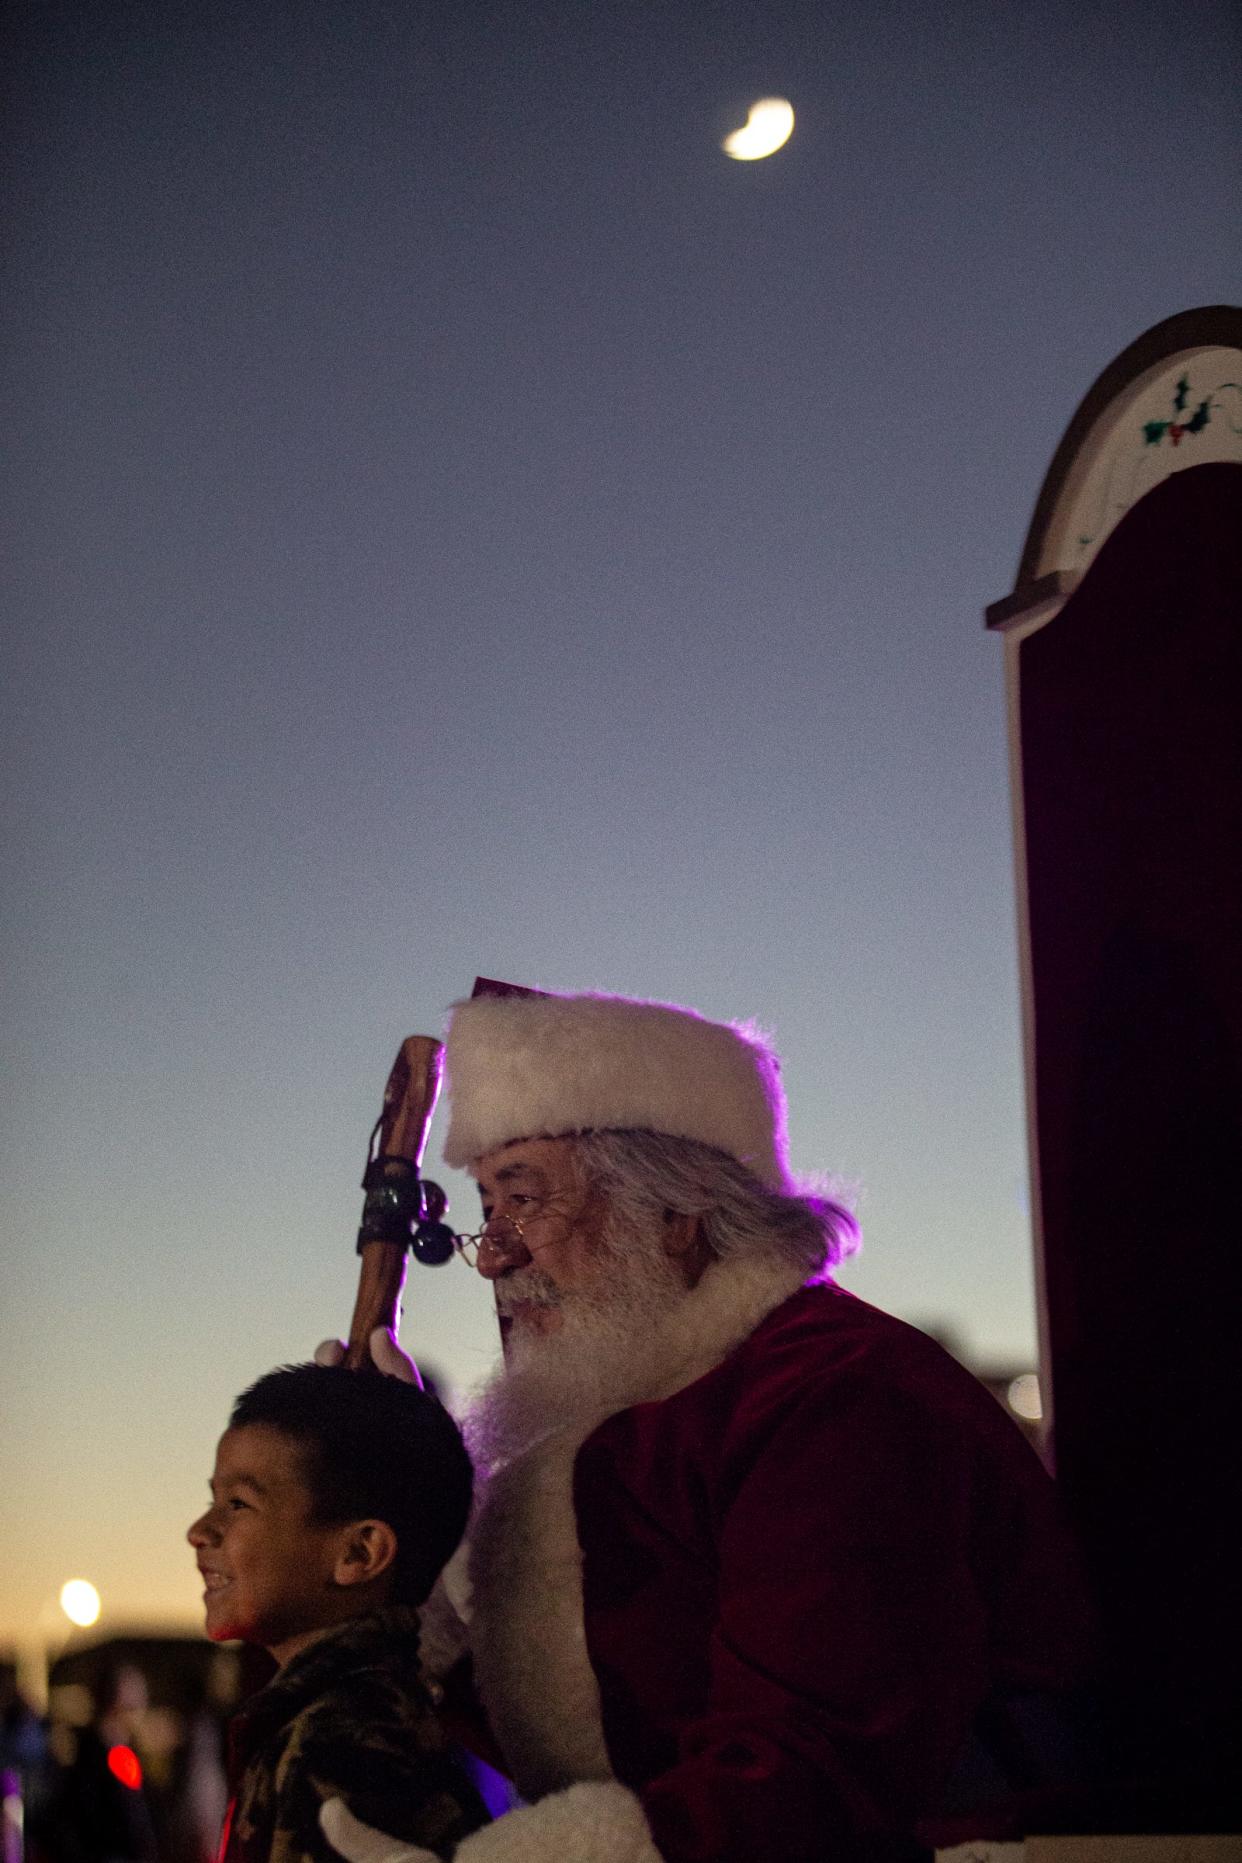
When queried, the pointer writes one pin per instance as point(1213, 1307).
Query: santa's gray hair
point(642, 1174)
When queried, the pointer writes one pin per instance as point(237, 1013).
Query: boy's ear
point(367, 1549)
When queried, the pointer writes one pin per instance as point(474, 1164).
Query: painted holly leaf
point(1183, 390)
point(1154, 431)
point(1199, 419)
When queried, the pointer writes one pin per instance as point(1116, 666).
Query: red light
point(123, 1764)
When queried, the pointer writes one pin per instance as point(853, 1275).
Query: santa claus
point(758, 1571)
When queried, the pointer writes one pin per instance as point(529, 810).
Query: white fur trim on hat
point(545, 1066)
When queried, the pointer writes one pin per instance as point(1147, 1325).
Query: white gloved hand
point(592, 1823)
point(362, 1843)
point(386, 1355)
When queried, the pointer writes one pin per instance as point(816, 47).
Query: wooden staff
point(399, 1207)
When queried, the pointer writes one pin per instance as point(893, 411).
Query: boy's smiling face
point(269, 1568)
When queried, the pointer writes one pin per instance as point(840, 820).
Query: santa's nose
point(501, 1247)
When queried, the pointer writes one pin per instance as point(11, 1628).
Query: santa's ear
point(686, 1244)
point(682, 1233)
point(367, 1549)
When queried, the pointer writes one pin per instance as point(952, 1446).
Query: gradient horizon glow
point(460, 522)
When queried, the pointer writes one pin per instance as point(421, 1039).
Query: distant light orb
point(79, 1601)
point(1024, 1399)
point(124, 1764)
point(768, 127)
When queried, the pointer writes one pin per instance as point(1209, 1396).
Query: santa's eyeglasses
point(502, 1233)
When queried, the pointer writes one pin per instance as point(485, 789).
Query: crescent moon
point(769, 125)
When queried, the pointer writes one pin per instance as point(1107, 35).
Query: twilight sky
point(460, 522)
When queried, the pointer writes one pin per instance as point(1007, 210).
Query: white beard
point(600, 1358)
point(644, 1338)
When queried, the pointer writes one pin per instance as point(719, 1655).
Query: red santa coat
point(809, 1579)
point(812, 1603)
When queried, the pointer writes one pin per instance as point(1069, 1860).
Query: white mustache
point(527, 1287)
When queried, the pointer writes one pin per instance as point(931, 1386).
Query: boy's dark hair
point(373, 1448)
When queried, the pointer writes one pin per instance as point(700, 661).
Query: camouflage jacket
point(349, 1717)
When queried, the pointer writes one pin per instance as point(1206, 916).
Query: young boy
point(336, 1499)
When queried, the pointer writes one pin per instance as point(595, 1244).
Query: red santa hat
point(546, 1066)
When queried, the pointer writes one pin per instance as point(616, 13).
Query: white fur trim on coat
point(586, 1824)
point(544, 1066)
point(531, 1666)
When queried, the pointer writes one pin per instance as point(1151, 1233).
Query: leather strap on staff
point(396, 1200)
